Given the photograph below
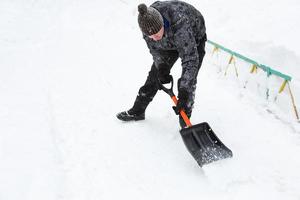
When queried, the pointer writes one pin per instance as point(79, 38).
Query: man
point(171, 29)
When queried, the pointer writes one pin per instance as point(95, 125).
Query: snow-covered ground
point(67, 67)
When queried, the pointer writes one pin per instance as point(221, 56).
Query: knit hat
point(150, 20)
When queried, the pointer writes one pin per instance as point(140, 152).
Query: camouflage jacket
point(184, 28)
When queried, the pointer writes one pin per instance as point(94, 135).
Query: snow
point(67, 67)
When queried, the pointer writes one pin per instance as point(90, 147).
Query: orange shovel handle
point(182, 113)
point(170, 92)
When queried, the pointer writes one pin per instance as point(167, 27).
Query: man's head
point(150, 22)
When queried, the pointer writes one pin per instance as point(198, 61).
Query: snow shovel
point(199, 139)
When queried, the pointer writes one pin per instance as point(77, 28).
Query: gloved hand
point(182, 102)
point(164, 79)
point(164, 74)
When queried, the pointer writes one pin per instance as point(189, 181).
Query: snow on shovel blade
point(203, 144)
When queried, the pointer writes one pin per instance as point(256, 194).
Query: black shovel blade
point(203, 144)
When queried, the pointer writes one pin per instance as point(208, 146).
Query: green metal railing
point(265, 68)
point(256, 65)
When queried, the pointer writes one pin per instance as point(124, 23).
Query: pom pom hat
point(149, 19)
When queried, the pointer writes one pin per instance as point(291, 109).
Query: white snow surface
point(68, 66)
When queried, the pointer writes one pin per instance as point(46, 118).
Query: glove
point(164, 79)
point(182, 102)
point(164, 74)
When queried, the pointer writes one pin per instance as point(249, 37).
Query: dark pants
point(149, 89)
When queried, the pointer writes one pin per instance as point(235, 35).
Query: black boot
point(131, 115)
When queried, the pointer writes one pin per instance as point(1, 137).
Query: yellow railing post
point(231, 61)
point(253, 69)
point(282, 86)
point(216, 49)
point(293, 101)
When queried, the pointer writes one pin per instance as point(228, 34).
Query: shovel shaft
point(170, 92)
point(182, 113)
